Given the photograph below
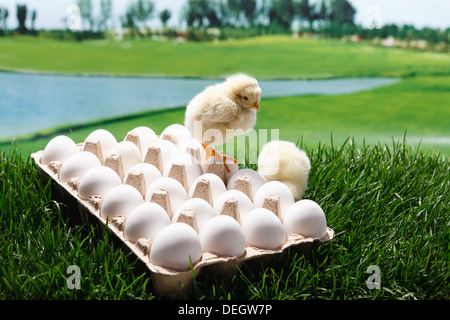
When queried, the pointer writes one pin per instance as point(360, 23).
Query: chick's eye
point(245, 98)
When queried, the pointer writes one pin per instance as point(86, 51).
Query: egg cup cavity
point(158, 151)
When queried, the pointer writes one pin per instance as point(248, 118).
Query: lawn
point(388, 205)
point(264, 57)
point(386, 197)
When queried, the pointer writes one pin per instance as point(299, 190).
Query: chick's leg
point(211, 152)
point(225, 159)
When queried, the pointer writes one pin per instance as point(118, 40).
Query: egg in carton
point(148, 188)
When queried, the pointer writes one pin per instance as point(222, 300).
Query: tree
point(308, 12)
point(137, 15)
point(86, 12)
point(143, 11)
point(282, 13)
point(201, 13)
point(342, 13)
point(21, 17)
point(3, 16)
point(164, 16)
point(249, 7)
point(243, 11)
point(33, 19)
point(105, 13)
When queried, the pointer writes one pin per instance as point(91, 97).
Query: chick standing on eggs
point(283, 161)
point(229, 105)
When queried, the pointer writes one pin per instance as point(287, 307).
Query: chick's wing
point(221, 109)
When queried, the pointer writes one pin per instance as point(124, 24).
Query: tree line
point(222, 19)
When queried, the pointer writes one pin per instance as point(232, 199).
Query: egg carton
point(166, 281)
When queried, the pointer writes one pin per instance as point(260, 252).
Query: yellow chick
point(283, 161)
point(232, 104)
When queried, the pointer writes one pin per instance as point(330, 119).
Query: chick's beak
point(255, 106)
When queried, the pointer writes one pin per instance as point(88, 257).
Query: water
point(33, 102)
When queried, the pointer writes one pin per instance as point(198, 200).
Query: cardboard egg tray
point(165, 281)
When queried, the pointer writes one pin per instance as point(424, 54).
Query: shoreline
point(163, 76)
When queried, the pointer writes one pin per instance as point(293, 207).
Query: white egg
point(263, 229)
point(256, 180)
point(105, 138)
point(151, 173)
point(245, 205)
point(59, 149)
point(98, 181)
point(274, 188)
point(203, 211)
point(222, 235)
point(168, 151)
point(177, 193)
point(180, 133)
point(146, 137)
point(175, 247)
point(145, 221)
point(196, 146)
point(129, 152)
point(120, 201)
point(192, 167)
point(216, 184)
point(306, 218)
point(77, 165)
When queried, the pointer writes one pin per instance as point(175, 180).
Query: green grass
point(386, 198)
point(421, 109)
point(388, 204)
point(295, 58)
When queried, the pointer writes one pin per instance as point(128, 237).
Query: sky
point(52, 14)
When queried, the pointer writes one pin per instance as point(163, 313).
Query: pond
point(33, 102)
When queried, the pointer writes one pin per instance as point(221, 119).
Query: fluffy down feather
point(283, 161)
point(231, 104)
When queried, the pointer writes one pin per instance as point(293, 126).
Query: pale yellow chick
point(232, 104)
point(283, 161)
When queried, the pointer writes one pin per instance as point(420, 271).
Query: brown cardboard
point(203, 190)
point(165, 281)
